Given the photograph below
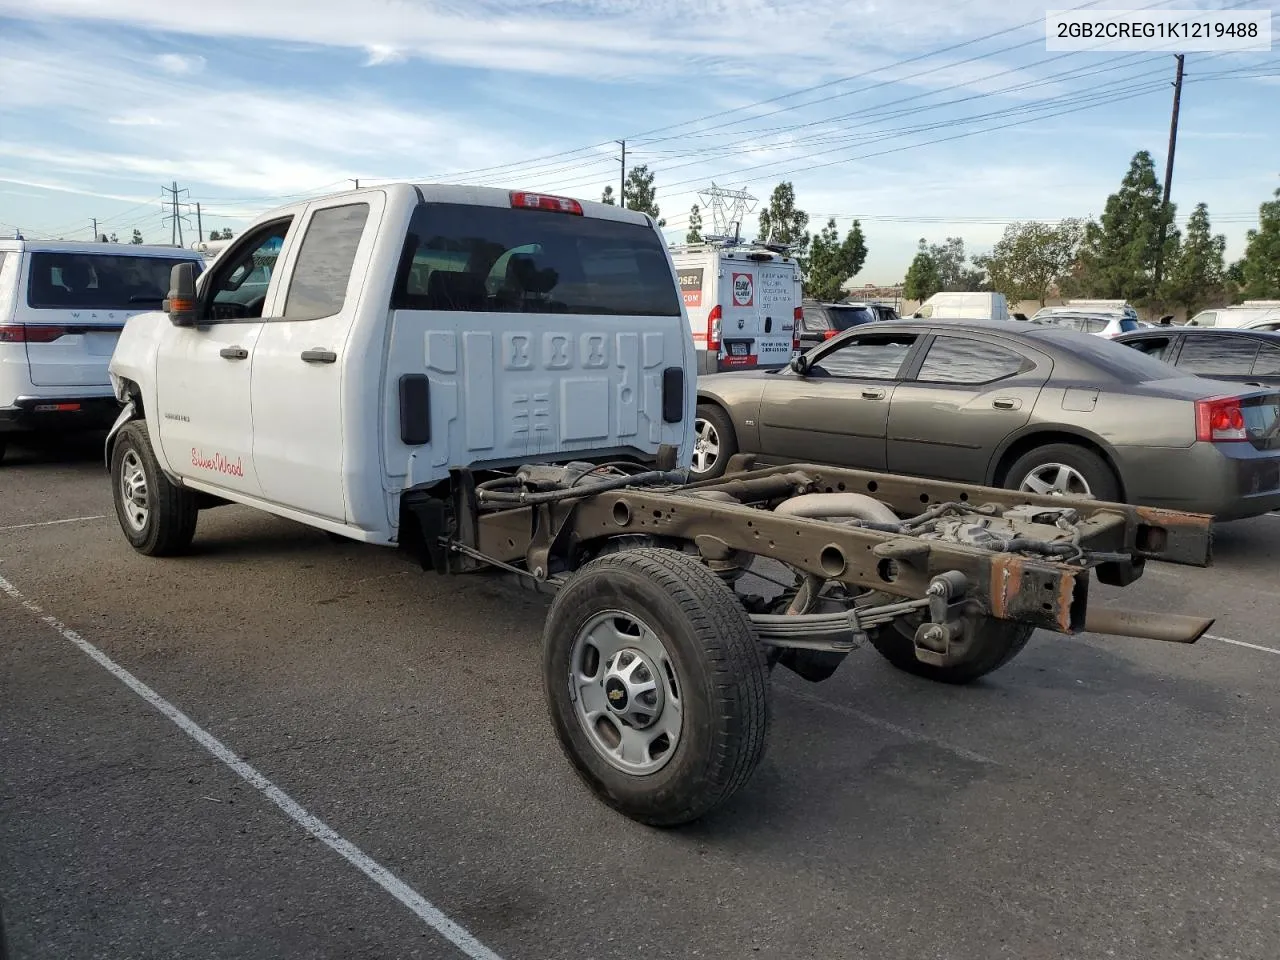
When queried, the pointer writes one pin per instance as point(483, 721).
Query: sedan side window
point(1268, 362)
point(1157, 347)
point(959, 360)
point(1218, 354)
point(866, 358)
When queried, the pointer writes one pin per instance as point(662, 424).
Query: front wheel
point(714, 442)
point(157, 516)
point(656, 685)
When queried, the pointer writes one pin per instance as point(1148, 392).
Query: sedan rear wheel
point(1065, 470)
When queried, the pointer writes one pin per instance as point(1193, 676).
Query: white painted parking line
point(1242, 643)
point(421, 907)
point(874, 721)
point(50, 523)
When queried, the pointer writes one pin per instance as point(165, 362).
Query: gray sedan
point(1027, 407)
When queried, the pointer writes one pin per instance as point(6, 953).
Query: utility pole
point(199, 223)
point(95, 229)
point(356, 181)
point(1168, 168)
point(622, 191)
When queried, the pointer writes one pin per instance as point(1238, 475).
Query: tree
point(1198, 276)
point(1260, 268)
point(832, 261)
point(608, 197)
point(1032, 258)
point(695, 226)
point(137, 236)
point(114, 239)
point(949, 258)
point(922, 280)
point(226, 234)
point(782, 222)
point(638, 193)
point(1117, 259)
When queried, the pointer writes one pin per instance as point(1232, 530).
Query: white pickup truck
point(504, 381)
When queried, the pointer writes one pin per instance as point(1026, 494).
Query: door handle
point(234, 353)
point(319, 355)
point(1006, 403)
point(870, 394)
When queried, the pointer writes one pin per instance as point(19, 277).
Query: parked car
point(1104, 308)
point(62, 307)
point(1097, 324)
point(1250, 314)
point(822, 321)
point(964, 306)
point(1022, 406)
point(1243, 356)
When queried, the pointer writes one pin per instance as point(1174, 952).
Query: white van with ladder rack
point(743, 302)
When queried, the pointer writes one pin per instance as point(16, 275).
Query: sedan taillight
point(1219, 420)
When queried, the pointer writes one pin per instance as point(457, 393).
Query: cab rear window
point(95, 281)
point(497, 260)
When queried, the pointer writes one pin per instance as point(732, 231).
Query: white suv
point(62, 307)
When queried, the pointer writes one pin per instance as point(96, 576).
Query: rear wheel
point(993, 644)
point(1064, 469)
point(656, 685)
point(158, 517)
point(714, 441)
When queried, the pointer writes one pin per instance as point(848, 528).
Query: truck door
point(298, 362)
point(202, 371)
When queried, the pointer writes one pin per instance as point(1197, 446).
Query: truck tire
point(1064, 468)
point(158, 517)
point(996, 643)
point(656, 685)
point(715, 441)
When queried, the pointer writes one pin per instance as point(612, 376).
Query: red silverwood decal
point(217, 463)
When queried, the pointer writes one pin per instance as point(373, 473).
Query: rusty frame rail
point(1145, 533)
point(718, 517)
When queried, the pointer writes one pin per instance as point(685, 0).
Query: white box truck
point(743, 303)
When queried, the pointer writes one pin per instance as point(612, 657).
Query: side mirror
point(181, 302)
point(799, 365)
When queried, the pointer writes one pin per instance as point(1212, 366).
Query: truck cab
point(345, 350)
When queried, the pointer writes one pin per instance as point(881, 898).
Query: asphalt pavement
point(1096, 798)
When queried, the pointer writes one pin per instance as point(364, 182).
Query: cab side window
point(240, 277)
point(318, 287)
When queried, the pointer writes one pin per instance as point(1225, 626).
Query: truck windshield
point(499, 260)
point(96, 281)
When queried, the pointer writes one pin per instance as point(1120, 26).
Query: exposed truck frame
point(946, 580)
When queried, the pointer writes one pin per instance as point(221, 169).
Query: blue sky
point(247, 105)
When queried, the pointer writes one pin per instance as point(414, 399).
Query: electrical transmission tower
point(728, 208)
point(174, 204)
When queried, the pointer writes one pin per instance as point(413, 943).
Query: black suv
point(822, 321)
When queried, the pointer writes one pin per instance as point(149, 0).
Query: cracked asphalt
point(1097, 798)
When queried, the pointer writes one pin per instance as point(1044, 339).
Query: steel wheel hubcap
point(1058, 479)
point(706, 446)
point(134, 496)
point(625, 693)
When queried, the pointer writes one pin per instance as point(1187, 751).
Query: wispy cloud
point(180, 64)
